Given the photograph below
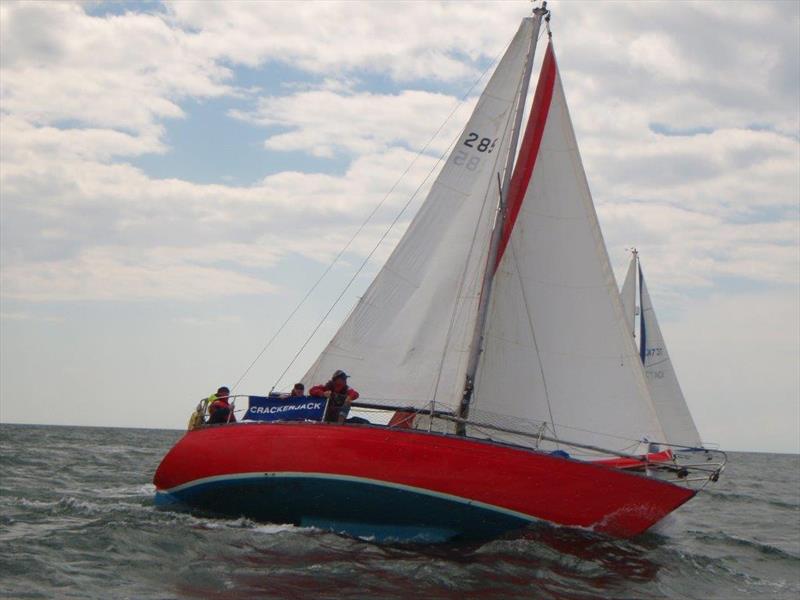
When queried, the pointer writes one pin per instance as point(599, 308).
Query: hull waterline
point(400, 484)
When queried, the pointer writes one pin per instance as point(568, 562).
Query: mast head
point(542, 11)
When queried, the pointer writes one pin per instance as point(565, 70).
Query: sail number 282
point(462, 157)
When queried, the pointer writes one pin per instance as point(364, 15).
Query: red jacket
point(225, 413)
point(318, 391)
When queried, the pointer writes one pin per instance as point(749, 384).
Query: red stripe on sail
point(523, 169)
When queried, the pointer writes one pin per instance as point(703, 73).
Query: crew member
point(298, 391)
point(339, 396)
point(220, 411)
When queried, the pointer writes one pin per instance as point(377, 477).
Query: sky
point(174, 177)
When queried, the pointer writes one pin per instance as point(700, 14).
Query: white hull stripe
point(349, 478)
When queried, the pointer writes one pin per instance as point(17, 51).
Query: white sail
point(408, 338)
point(628, 295)
point(557, 347)
point(673, 412)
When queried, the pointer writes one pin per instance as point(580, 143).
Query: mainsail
point(408, 338)
point(673, 412)
point(554, 343)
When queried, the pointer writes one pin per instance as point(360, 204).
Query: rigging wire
point(533, 337)
point(361, 227)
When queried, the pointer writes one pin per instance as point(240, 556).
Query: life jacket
point(220, 411)
point(345, 391)
point(197, 418)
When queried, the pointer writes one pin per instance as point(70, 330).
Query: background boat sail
point(498, 300)
point(662, 381)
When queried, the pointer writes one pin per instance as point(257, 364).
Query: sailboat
point(662, 381)
point(496, 323)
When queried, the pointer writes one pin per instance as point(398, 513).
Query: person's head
point(299, 390)
point(223, 393)
point(339, 380)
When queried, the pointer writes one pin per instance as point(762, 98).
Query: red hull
point(524, 483)
point(665, 456)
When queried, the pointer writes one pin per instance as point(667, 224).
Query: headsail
point(671, 407)
point(557, 347)
point(408, 338)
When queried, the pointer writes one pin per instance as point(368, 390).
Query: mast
point(476, 347)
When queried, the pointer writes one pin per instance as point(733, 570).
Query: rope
point(361, 227)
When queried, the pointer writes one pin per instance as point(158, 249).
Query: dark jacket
point(337, 399)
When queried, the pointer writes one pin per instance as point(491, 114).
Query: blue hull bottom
point(355, 508)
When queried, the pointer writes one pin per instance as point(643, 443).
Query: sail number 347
point(473, 140)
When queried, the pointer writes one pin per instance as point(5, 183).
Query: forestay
point(408, 338)
point(557, 348)
point(670, 403)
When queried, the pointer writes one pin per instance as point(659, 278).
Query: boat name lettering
point(279, 409)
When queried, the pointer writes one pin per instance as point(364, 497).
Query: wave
point(729, 539)
point(741, 497)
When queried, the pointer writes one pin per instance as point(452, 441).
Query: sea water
point(77, 521)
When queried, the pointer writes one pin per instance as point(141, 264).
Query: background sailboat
point(662, 381)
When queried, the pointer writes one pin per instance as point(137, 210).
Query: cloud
point(696, 66)
point(323, 122)
point(730, 172)
point(123, 72)
point(441, 41)
point(29, 316)
point(107, 231)
point(687, 250)
point(216, 320)
point(81, 95)
point(23, 142)
point(111, 273)
point(733, 355)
